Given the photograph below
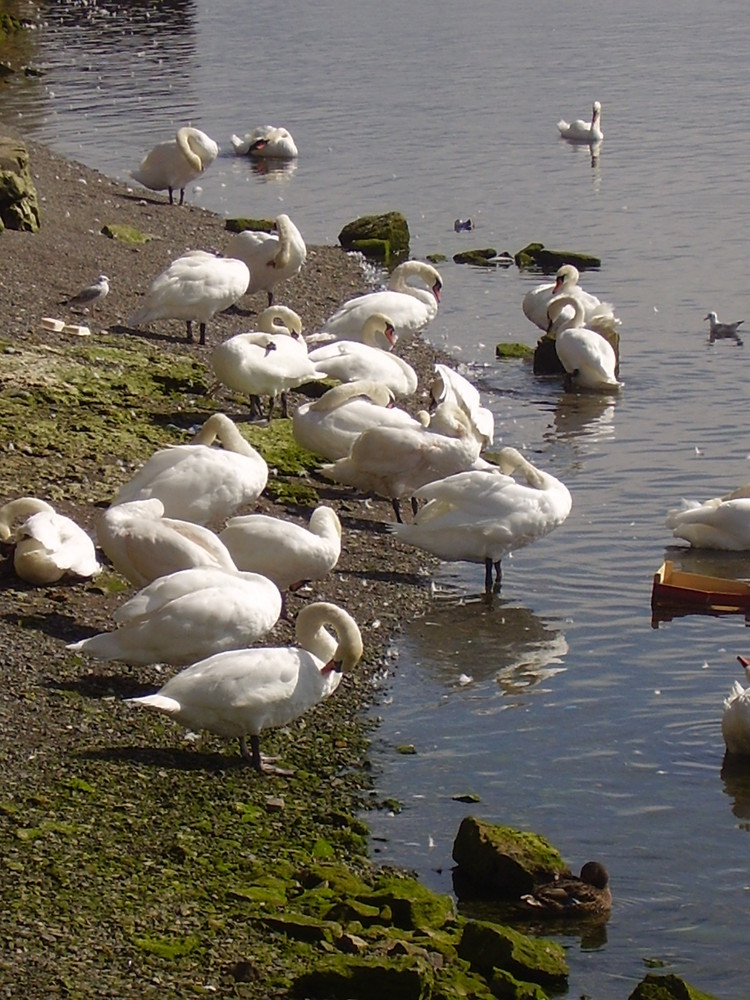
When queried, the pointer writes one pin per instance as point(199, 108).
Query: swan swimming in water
point(481, 516)
point(720, 523)
point(735, 719)
point(142, 544)
point(409, 307)
point(185, 616)
point(199, 483)
point(266, 141)
point(587, 357)
point(194, 288)
point(329, 426)
point(270, 257)
point(242, 692)
point(581, 131)
point(287, 553)
point(172, 165)
point(47, 545)
point(598, 315)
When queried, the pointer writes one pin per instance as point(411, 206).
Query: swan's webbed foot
point(259, 763)
point(256, 410)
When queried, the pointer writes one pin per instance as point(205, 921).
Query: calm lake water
point(582, 720)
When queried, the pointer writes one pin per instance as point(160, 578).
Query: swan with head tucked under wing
point(329, 426)
point(197, 482)
point(142, 544)
point(270, 141)
point(182, 617)
point(450, 384)
point(171, 165)
point(395, 461)
point(368, 359)
point(720, 523)
point(588, 358)
point(481, 516)
point(598, 315)
point(582, 131)
point(243, 692)
point(193, 288)
point(409, 307)
point(266, 364)
point(287, 553)
point(46, 545)
point(270, 257)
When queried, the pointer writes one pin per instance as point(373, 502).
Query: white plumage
point(598, 315)
point(587, 357)
point(47, 545)
point(582, 131)
point(193, 288)
point(735, 719)
point(172, 165)
point(199, 483)
point(370, 358)
point(448, 384)
point(720, 523)
point(270, 141)
point(243, 692)
point(270, 257)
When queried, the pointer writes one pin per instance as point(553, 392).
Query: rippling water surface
point(559, 704)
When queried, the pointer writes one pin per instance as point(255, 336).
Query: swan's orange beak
point(436, 290)
point(390, 335)
point(744, 661)
point(558, 285)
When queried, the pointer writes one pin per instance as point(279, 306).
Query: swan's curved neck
point(284, 253)
point(14, 510)
point(512, 461)
point(558, 303)
point(183, 144)
point(314, 637)
point(339, 394)
point(280, 319)
point(220, 426)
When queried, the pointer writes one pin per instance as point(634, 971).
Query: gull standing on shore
point(91, 294)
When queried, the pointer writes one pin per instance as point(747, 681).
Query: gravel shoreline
point(66, 729)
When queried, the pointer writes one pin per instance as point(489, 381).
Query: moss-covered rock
point(487, 947)
point(501, 861)
point(510, 351)
point(411, 905)
point(125, 234)
point(19, 204)
point(657, 987)
point(504, 986)
point(345, 976)
point(536, 255)
point(479, 257)
point(238, 225)
point(387, 235)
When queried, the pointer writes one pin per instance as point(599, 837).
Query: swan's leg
point(498, 576)
point(189, 334)
point(255, 408)
point(396, 504)
point(182, 196)
point(489, 587)
point(202, 329)
point(284, 406)
point(414, 506)
point(252, 756)
point(270, 297)
point(271, 404)
point(171, 196)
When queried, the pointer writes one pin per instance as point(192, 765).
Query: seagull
point(91, 294)
point(723, 331)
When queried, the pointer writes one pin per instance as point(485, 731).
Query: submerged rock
point(657, 987)
point(380, 236)
point(537, 255)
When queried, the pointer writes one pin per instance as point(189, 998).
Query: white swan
point(598, 315)
point(243, 692)
point(409, 307)
point(172, 165)
point(354, 360)
point(270, 257)
point(587, 357)
point(265, 364)
point(329, 426)
point(481, 516)
point(287, 553)
point(198, 483)
point(47, 545)
point(735, 719)
point(182, 617)
point(194, 288)
point(266, 141)
point(394, 462)
point(451, 385)
point(142, 544)
point(581, 131)
point(720, 523)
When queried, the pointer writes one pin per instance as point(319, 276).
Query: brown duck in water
point(569, 896)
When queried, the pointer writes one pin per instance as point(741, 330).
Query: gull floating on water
point(91, 294)
point(722, 331)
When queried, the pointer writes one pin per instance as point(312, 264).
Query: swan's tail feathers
point(736, 692)
point(603, 319)
point(563, 126)
point(674, 515)
point(240, 146)
point(160, 702)
point(138, 318)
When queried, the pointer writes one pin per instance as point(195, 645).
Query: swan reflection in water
point(272, 168)
point(585, 416)
point(735, 775)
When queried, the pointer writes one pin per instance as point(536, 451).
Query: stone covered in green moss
point(411, 905)
point(238, 225)
point(341, 977)
point(658, 987)
point(510, 351)
point(390, 229)
point(479, 257)
point(536, 255)
point(125, 234)
point(502, 861)
point(487, 946)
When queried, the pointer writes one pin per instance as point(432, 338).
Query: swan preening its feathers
point(270, 257)
point(266, 141)
point(242, 692)
point(171, 166)
point(598, 315)
point(47, 545)
point(481, 516)
point(720, 523)
point(587, 356)
point(735, 719)
point(193, 288)
point(582, 131)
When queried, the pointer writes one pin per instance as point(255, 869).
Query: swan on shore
point(187, 615)
point(289, 554)
point(598, 315)
point(587, 357)
point(481, 516)
point(243, 692)
point(193, 288)
point(449, 384)
point(46, 545)
point(719, 523)
point(172, 165)
point(270, 257)
point(409, 307)
point(142, 544)
point(582, 131)
point(270, 141)
point(197, 482)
